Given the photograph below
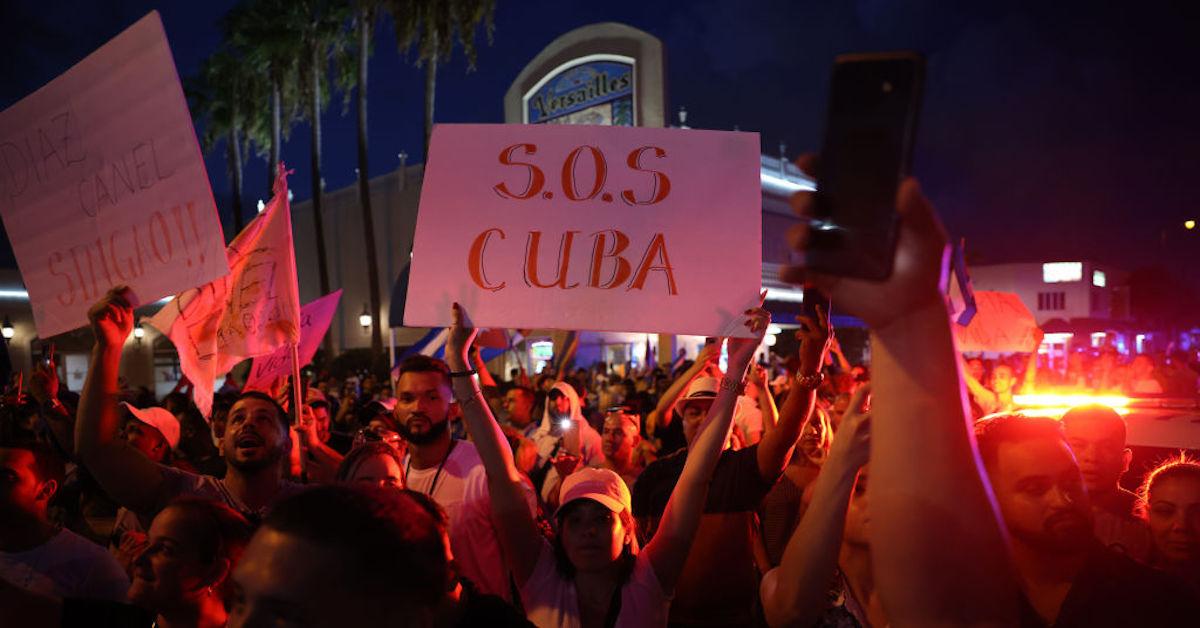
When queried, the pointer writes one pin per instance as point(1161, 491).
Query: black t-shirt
point(481, 609)
point(1114, 591)
point(87, 613)
point(736, 484)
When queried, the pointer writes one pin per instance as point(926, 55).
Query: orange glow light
point(1056, 404)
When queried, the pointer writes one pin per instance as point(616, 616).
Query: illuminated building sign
point(597, 89)
point(1098, 278)
point(1060, 272)
point(542, 350)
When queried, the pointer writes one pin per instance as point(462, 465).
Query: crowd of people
point(810, 492)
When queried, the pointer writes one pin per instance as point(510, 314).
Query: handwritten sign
point(102, 183)
point(588, 227)
point(252, 311)
point(315, 318)
point(1001, 323)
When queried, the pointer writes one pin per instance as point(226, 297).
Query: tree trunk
point(276, 131)
point(318, 219)
point(235, 173)
point(364, 190)
point(431, 67)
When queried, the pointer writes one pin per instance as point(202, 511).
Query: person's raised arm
point(668, 550)
point(43, 386)
point(982, 394)
point(766, 401)
point(129, 477)
point(660, 416)
point(835, 350)
point(930, 504)
point(485, 376)
point(322, 461)
point(1029, 381)
point(795, 593)
point(516, 528)
point(775, 450)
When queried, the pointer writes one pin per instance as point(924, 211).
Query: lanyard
point(436, 476)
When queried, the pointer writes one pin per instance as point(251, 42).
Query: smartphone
point(874, 102)
point(811, 299)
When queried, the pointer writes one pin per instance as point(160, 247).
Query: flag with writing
point(252, 311)
point(315, 318)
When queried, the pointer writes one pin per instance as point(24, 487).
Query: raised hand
point(918, 273)
point(44, 384)
point(112, 318)
point(461, 334)
point(815, 337)
point(741, 350)
point(852, 443)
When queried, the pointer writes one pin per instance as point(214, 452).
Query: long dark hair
point(625, 561)
point(362, 452)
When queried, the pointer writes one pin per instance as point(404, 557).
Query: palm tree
point(433, 26)
point(320, 28)
point(365, 12)
point(223, 98)
point(259, 29)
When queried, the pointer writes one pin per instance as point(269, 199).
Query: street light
point(7, 330)
point(364, 319)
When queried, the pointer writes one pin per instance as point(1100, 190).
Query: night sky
point(1050, 129)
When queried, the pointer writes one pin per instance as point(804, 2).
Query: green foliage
point(225, 97)
point(433, 26)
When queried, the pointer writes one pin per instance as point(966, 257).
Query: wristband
point(810, 382)
point(729, 383)
point(466, 373)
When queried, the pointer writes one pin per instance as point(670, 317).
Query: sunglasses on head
point(376, 435)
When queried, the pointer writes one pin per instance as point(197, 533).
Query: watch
point(810, 382)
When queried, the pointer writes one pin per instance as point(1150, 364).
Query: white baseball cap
point(702, 390)
point(599, 485)
point(160, 419)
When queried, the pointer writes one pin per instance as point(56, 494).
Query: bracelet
point(810, 382)
point(466, 373)
point(729, 383)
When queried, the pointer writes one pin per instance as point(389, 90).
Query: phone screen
point(873, 106)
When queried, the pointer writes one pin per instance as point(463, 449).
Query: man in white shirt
point(449, 471)
point(36, 555)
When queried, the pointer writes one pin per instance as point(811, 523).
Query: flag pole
point(297, 404)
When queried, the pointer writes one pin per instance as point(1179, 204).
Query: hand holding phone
point(874, 101)
point(915, 266)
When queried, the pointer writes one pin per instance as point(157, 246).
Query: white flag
point(250, 312)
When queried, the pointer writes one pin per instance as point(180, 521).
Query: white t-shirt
point(67, 565)
point(748, 419)
point(463, 491)
point(551, 600)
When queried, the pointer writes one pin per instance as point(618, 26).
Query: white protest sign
point(1002, 323)
point(315, 318)
point(102, 183)
point(589, 227)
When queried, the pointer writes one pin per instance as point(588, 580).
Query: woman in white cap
point(593, 573)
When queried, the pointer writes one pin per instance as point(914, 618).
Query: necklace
point(438, 475)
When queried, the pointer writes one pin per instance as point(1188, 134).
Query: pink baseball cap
point(600, 485)
point(160, 419)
